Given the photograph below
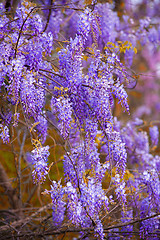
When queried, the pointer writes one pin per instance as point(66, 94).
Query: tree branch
point(24, 221)
point(9, 190)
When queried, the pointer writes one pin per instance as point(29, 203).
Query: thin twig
point(26, 220)
point(19, 165)
point(10, 192)
point(56, 74)
point(48, 18)
point(44, 88)
point(51, 79)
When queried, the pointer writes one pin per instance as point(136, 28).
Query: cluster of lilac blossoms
point(89, 98)
point(39, 160)
point(73, 85)
point(23, 53)
point(4, 133)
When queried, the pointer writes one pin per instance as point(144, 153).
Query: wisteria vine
point(65, 66)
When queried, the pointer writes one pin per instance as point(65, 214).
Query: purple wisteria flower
point(154, 134)
point(98, 231)
point(39, 160)
point(74, 205)
point(4, 133)
point(109, 22)
point(59, 206)
point(15, 76)
point(32, 96)
point(84, 24)
point(41, 126)
point(120, 188)
point(62, 107)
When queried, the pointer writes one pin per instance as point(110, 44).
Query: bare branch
point(16, 224)
point(9, 190)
